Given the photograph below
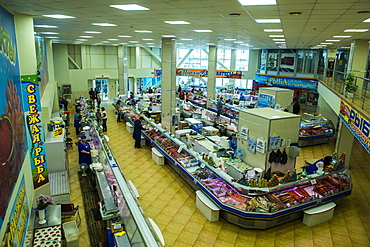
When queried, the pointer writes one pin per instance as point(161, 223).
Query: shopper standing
point(76, 122)
point(98, 116)
point(296, 107)
point(182, 95)
point(118, 107)
point(219, 106)
point(84, 151)
point(92, 94)
point(104, 119)
point(232, 142)
point(137, 132)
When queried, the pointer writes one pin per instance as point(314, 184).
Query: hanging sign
point(274, 142)
point(357, 122)
point(285, 81)
point(261, 146)
point(244, 133)
point(203, 73)
point(252, 145)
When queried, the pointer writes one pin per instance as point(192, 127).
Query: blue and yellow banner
point(232, 74)
point(285, 81)
point(357, 122)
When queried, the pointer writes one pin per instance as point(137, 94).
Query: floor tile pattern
point(170, 201)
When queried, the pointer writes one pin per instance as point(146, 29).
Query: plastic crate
point(71, 233)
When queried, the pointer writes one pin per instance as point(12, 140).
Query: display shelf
point(260, 217)
point(315, 130)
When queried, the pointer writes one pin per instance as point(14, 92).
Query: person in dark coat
point(76, 122)
point(84, 151)
point(137, 132)
point(296, 107)
point(219, 106)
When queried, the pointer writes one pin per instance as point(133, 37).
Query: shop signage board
point(266, 100)
point(285, 81)
point(233, 74)
point(357, 122)
point(35, 131)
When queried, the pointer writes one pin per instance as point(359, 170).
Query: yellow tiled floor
point(170, 201)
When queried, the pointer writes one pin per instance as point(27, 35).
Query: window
point(242, 57)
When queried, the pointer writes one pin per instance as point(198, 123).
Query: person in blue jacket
point(232, 142)
point(137, 132)
point(84, 151)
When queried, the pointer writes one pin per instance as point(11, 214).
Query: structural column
point(232, 67)
point(344, 142)
point(122, 70)
point(169, 84)
point(212, 66)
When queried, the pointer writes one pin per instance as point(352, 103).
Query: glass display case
point(315, 130)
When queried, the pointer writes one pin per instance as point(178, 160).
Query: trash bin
point(71, 233)
point(129, 128)
point(157, 157)
point(142, 141)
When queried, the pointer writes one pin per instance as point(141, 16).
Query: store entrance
point(102, 85)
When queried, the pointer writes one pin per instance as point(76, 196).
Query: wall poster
point(41, 59)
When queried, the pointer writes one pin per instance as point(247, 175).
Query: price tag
point(180, 149)
point(313, 181)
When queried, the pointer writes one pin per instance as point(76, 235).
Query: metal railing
point(336, 81)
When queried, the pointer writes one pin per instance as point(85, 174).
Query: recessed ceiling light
point(280, 42)
point(129, 7)
point(91, 32)
point(367, 20)
point(81, 39)
point(45, 26)
point(147, 39)
point(58, 16)
point(346, 47)
point(123, 43)
point(246, 44)
point(238, 42)
point(142, 31)
point(229, 39)
point(52, 37)
point(77, 42)
point(276, 36)
point(177, 22)
point(133, 41)
point(363, 12)
point(342, 36)
point(356, 30)
point(267, 20)
point(48, 33)
point(150, 43)
point(332, 40)
point(168, 36)
point(295, 13)
point(210, 43)
point(104, 24)
point(278, 39)
point(124, 36)
point(326, 43)
point(203, 31)
point(105, 41)
point(273, 30)
point(186, 39)
point(112, 39)
point(234, 14)
point(86, 37)
point(260, 2)
point(321, 45)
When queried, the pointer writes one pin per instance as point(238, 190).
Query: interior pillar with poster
point(169, 84)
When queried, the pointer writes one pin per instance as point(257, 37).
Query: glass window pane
point(287, 60)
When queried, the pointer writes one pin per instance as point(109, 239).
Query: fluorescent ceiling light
point(91, 32)
point(147, 39)
point(168, 36)
point(133, 41)
point(129, 7)
point(326, 43)
point(186, 39)
point(104, 24)
point(48, 33)
point(112, 39)
point(276, 36)
point(229, 39)
point(150, 43)
point(58, 16)
point(280, 42)
point(177, 43)
point(177, 22)
point(238, 42)
point(278, 39)
point(342, 36)
point(87, 37)
point(45, 26)
point(332, 40)
point(124, 36)
point(259, 2)
point(81, 39)
point(246, 44)
point(346, 47)
point(123, 43)
point(273, 30)
point(105, 41)
point(356, 30)
point(203, 31)
point(367, 20)
point(267, 20)
point(52, 37)
point(142, 31)
point(210, 43)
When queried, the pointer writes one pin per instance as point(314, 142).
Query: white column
point(212, 66)
point(168, 83)
point(344, 142)
point(232, 66)
point(122, 69)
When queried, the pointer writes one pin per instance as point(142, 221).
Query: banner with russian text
point(357, 122)
point(232, 74)
point(35, 132)
point(285, 81)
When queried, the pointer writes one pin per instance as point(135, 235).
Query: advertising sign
point(266, 100)
point(35, 131)
point(358, 123)
point(293, 82)
point(233, 74)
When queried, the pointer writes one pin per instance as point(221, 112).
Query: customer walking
point(119, 113)
point(98, 116)
point(137, 132)
point(219, 106)
point(104, 119)
point(76, 122)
